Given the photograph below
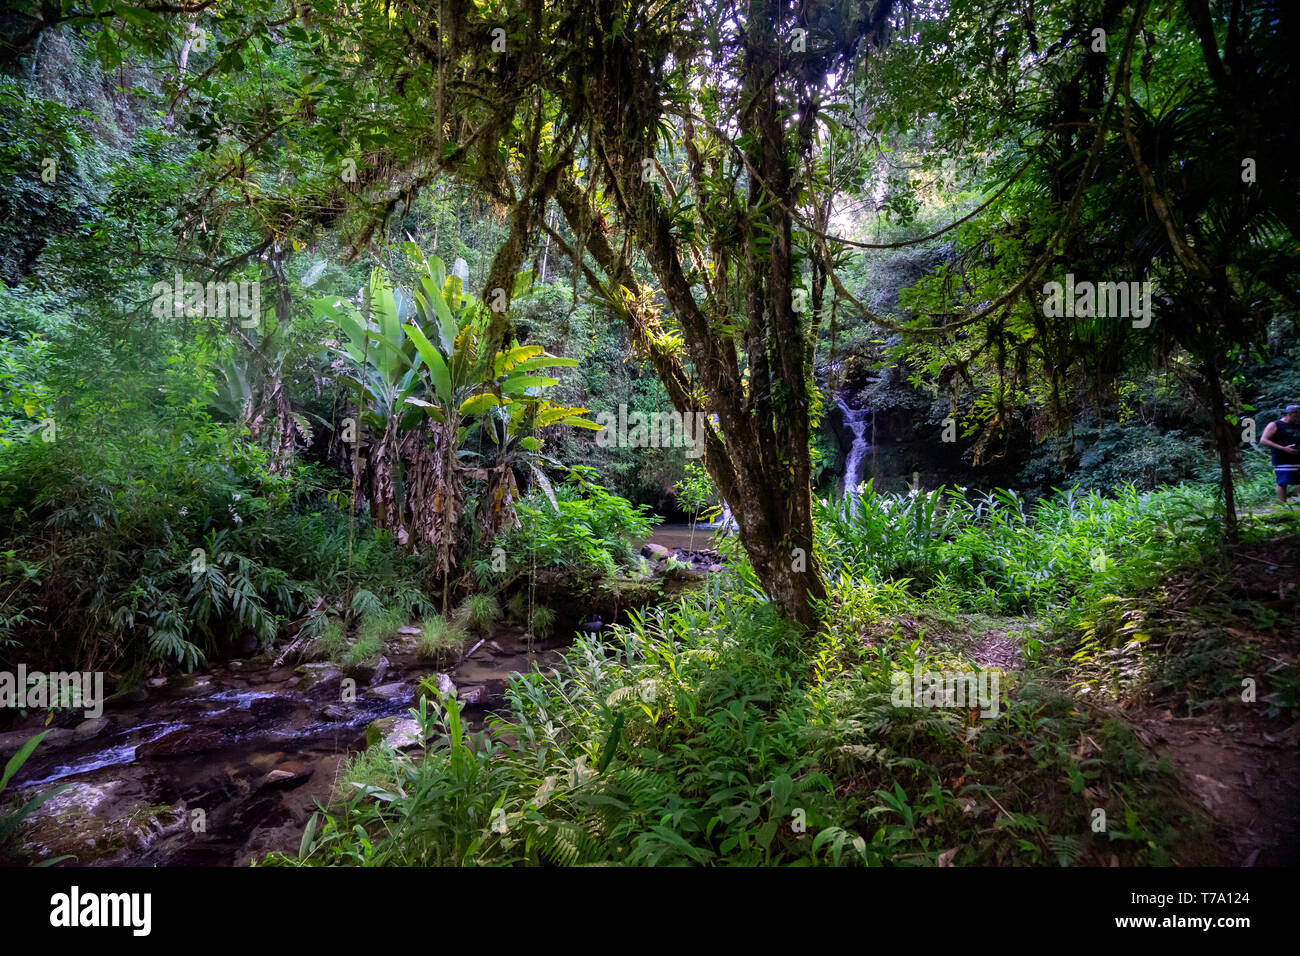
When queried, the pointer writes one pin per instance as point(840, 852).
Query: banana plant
point(513, 444)
point(253, 388)
point(424, 368)
point(470, 386)
point(380, 367)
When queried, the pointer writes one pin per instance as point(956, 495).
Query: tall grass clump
point(440, 638)
point(542, 622)
point(478, 612)
point(372, 635)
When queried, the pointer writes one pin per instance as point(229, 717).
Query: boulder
point(185, 687)
point(12, 742)
point(55, 737)
point(368, 672)
point(432, 689)
point(87, 729)
point(287, 775)
point(336, 713)
point(395, 690)
point(398, 733)
point(655, 552)
point(98, 822)
point(271, 707)
point(235, 718)
point(319, 681)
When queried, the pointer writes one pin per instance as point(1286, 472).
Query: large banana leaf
point(519, 384)
point(478, 404)
point(436, 314)
point(386, 316)
point(506, 361)
point(545, 361)
point(438, 370)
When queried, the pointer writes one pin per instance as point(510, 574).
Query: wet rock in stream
point(89, 729)
point(182, 743)
point(398, 733)
point(397, 690)
point(106, 822)
point(320, 681)
point(287, 775)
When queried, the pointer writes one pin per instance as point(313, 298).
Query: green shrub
point(159, 551)
point(1117, 454)
point(585, 530)
point(996, 553)
point(717, 735)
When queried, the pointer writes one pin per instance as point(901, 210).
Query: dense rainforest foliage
point(960, 321)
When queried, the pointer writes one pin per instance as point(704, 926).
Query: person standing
point(1282, 439)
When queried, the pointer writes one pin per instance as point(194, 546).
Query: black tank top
point(1285, 434)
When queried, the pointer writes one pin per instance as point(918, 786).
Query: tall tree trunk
point(770, 497)
point(761, 462)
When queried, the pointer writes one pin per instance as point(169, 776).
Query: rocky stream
point(221, 766)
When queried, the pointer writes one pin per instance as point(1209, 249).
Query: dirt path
point(1245, 775)
point(1238, 762)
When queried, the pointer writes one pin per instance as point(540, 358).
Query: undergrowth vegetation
point(712, 736)
point(711, 733)
point(581, 527)
point(127, 551)
point(995, 552)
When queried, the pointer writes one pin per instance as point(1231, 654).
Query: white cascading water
point(725, 520)
point(856, 421)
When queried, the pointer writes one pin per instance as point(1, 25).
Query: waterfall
point(856, 420)
point(725, 520)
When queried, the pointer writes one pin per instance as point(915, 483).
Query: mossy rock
point(314, 677)
point(89, 822)
point(397, 733)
